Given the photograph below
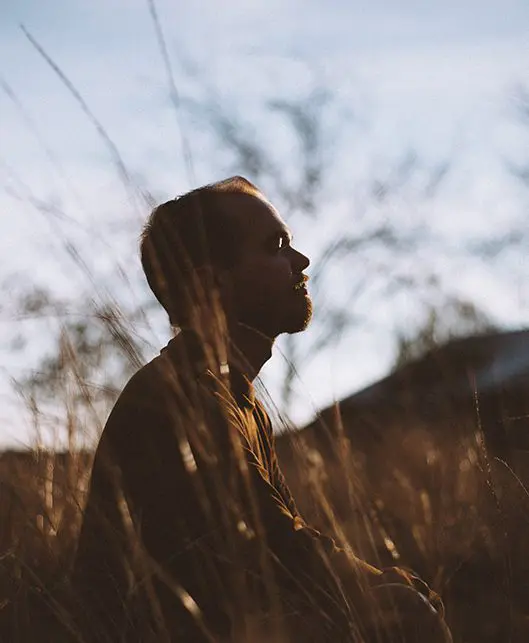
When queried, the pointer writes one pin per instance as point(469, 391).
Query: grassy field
point(426, 492)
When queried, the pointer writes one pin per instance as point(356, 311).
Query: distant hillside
point(484, 379)
point(428, 467)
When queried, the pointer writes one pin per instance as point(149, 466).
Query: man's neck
point(249, 349)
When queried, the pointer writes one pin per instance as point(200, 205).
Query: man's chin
point(273, 325)
point(299, 323)
point(297, 328)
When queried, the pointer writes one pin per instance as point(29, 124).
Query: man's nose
point(299, 261)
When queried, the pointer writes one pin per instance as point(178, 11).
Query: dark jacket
point(190, 532)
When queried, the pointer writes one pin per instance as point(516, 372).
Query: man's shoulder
point(162, 382)
point(178, 363)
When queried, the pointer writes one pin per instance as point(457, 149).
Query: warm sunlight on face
point(269, 284)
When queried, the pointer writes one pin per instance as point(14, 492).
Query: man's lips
point(300, 284)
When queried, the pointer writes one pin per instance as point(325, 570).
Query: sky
point(438, 77)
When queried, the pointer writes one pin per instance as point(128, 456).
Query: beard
point(292, 315)
point(300, 319)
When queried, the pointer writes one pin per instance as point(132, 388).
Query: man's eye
point(278, 243)
point(283, 242)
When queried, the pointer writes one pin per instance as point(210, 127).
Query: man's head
point(226, 237)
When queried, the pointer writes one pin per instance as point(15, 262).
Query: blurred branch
point(305, 117)
point(455, 318)
point(492, 248)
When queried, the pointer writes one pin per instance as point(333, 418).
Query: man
point(190, 532)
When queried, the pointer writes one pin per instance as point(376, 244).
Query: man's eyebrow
point(285, 232)
point(282, 233)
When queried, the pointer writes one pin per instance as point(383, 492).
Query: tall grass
point(435, 502)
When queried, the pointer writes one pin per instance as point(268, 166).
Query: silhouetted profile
point(190, 532)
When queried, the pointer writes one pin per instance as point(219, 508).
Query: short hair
point(187, 233)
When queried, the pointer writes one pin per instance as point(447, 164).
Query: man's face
point(267, 284)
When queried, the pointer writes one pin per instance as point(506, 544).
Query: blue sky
point(438, 77)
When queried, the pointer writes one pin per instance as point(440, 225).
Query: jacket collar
point(186, 351)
